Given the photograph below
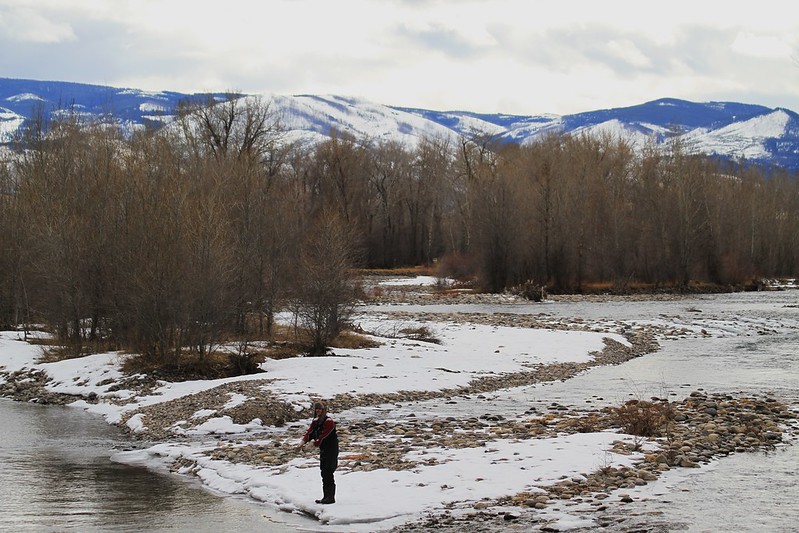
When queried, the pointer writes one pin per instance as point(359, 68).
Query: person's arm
point(307, 434)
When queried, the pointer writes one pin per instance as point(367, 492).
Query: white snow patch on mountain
point(771, 125)
point(24, 97)
point(146, 94)
point(10, 122)
point(362, 119)
point(149, 107)
point(617, 130)
point(476, 126)
point(531, 132)
point(166, 119)
point(654, 128)
point(741, 138)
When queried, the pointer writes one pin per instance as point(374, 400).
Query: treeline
point(176, 239)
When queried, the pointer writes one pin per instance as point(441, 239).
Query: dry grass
point(643, 418)
point(188, 366)
point(420, 270)
point(353, 340)
point(420, 333)
point(53, 352)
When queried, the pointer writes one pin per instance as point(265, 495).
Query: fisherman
point(323, 434)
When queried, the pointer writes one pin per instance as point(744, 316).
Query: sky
point(498, 56)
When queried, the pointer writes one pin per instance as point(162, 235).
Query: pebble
point(695, 431)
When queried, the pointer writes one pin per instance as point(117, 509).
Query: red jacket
point(320, 430)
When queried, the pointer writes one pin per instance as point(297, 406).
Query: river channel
point(56, 476)
point(56, 473)
point(752, 348)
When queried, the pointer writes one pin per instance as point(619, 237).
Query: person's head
point(319, 409)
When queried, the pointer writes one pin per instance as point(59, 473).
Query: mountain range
point(729, 130)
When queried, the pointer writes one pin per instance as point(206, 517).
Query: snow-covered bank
point(403, 455)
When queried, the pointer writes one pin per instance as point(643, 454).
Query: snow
point(309, 119)
point(416, 281)
point(379, 499)
point(383, 498)
point(24, 97)
point(141, 93)
point(136, 424)
point(10, 123)
point(372, 500)
point(743, 139)
point(149, 107)
point(405, 364)
point(376, 500)
point(617, 129)
point(477, 126)
point(223, 425)
point(531, 132)
point(166, 119)
point(313, 116)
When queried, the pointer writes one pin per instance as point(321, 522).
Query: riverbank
point(423, 439)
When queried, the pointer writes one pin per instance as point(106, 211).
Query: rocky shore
point(697, 430)
point(670, 434)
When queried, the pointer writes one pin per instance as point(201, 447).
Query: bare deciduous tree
point(325, 293)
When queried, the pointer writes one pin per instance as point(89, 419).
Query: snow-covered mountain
point(730, 130)
point(22, 100)
point(727, 129)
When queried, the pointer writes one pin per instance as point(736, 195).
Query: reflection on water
point(56, 476)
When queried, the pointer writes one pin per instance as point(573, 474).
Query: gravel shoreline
point(698, 429)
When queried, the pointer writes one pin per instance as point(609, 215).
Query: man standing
point(323, 434)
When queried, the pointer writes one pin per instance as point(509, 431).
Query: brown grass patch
point(52, 351)
point(354, 340)
point(420, 270)
point(643, 418)
point(188, 366)
point(281, 350)
point(421, 333)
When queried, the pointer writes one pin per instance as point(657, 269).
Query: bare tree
point(325, 291)
point(10, 249)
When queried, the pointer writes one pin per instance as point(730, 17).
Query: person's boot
point(329, 494)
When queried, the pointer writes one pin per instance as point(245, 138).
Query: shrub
point(530, 291)
point(643, 418)
point(421, 333)
point(455, 265)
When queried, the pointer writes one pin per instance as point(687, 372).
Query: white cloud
point(536, 55)
point(627, 51)
point(31, 26)
point(764, 46)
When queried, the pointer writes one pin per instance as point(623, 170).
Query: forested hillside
point(177, 239)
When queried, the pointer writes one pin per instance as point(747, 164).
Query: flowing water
point(753, 349)
point(55, 472)
point(56, 476)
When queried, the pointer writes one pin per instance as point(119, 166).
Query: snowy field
point(443, 477)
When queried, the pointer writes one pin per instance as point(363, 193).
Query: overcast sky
point(510, 56)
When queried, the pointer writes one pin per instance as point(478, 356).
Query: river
point(56, 474)
point(753, 348)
